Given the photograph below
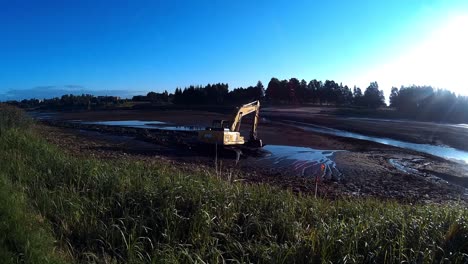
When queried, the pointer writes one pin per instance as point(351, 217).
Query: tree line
point(283, 92)
point(218, 94)
point(427, 103)
point(293, 91)
point(421, 102)
point(71, 102)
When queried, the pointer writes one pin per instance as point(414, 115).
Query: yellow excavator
point(225, 133)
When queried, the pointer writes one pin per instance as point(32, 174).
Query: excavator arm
point(244, 110)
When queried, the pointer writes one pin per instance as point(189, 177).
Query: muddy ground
point(366, 168)
point(452, 135)
point(411, 131)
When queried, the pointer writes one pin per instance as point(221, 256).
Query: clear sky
point(48, 48)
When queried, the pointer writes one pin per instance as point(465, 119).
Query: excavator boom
point(243, 111)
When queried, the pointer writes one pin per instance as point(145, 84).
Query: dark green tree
point(260, 91)
point(313, 90)
point(152, 96)
point(272, 91)
point(394, 94)
point(373, 97)
point(293, 88)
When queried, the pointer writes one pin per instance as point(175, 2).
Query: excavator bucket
point(255, 143)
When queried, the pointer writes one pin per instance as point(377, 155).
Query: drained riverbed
point(435, 150)
point(293, 149)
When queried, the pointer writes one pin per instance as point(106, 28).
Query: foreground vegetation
point(55, 208)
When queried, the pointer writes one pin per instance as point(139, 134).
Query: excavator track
point(236, 152)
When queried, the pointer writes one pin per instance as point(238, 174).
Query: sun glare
point(439, 60)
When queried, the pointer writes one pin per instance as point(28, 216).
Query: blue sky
point(48, 48)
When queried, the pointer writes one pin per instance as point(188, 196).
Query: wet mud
point(295, 156)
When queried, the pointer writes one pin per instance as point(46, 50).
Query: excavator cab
point(220, 125)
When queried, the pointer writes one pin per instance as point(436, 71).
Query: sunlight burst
point(440, 60)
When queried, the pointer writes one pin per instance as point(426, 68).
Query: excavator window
point(220, 125)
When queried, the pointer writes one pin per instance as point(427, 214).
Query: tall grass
point(121, 211)
point(25, 236)
point(13, 118)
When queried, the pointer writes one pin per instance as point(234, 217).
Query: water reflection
point(439, 151)
point(301, 160)
point(145, 124)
